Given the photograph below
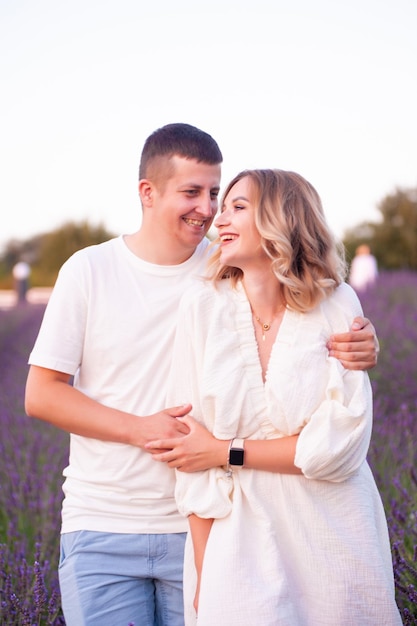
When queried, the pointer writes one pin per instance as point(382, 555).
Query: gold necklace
point(267, 325)
point(264, 325)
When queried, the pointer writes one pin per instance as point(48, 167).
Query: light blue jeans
point(122, 580)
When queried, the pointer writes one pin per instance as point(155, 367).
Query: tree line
point(45, 253)
point(392, 239)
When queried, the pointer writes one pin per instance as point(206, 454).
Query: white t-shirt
point(110, 322)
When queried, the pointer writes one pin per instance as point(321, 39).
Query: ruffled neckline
point(250, 356)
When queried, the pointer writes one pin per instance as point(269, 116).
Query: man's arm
point(357, 349)
point(51, 398)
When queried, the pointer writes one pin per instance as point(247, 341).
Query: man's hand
point(198, 450)
point(165, 424)
point(357, 349)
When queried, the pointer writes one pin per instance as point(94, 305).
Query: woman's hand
point(198, 450)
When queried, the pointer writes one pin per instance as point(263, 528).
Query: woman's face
point(240, 241)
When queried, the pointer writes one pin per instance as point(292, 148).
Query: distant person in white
point(21, 273)
point(364, 269)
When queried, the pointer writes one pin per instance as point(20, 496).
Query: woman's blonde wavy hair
point(305, 257)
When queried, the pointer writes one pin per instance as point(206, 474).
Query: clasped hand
point(196, 451)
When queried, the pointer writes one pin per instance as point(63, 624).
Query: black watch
point(237, 452)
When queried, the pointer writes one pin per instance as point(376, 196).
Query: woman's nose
point(221, 219)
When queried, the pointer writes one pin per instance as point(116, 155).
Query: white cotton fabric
point(287, 550)
point(111, 323)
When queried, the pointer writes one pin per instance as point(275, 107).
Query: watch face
point(236, 456)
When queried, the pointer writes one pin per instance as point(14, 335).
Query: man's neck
point(146, 249)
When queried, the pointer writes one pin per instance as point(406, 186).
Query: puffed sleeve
point(207, 493)
point(334, 441)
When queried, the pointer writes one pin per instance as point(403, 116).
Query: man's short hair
point(182, 140)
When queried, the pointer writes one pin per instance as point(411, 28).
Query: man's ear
point(146, 192)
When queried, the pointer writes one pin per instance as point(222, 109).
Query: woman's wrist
point(222, 452)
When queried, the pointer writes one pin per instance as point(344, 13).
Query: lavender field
point(33, 454)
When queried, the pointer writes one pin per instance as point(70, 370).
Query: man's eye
point(214, 195)
point(191, 192)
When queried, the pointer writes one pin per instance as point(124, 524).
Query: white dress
point(287, 550)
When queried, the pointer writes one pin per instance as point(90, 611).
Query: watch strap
point(238, 444)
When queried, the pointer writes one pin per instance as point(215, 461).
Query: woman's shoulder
point(343, 298)
point(346, 294)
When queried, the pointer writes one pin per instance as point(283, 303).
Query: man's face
point(184, 207)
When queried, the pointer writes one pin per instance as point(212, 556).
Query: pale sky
point(323, 87)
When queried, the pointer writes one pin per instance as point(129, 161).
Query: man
point(110, 323)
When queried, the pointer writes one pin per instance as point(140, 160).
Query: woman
point(291, 530)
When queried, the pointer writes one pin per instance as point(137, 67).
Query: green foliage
point(56, 247)
point(393, 240)
point(47, 252)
